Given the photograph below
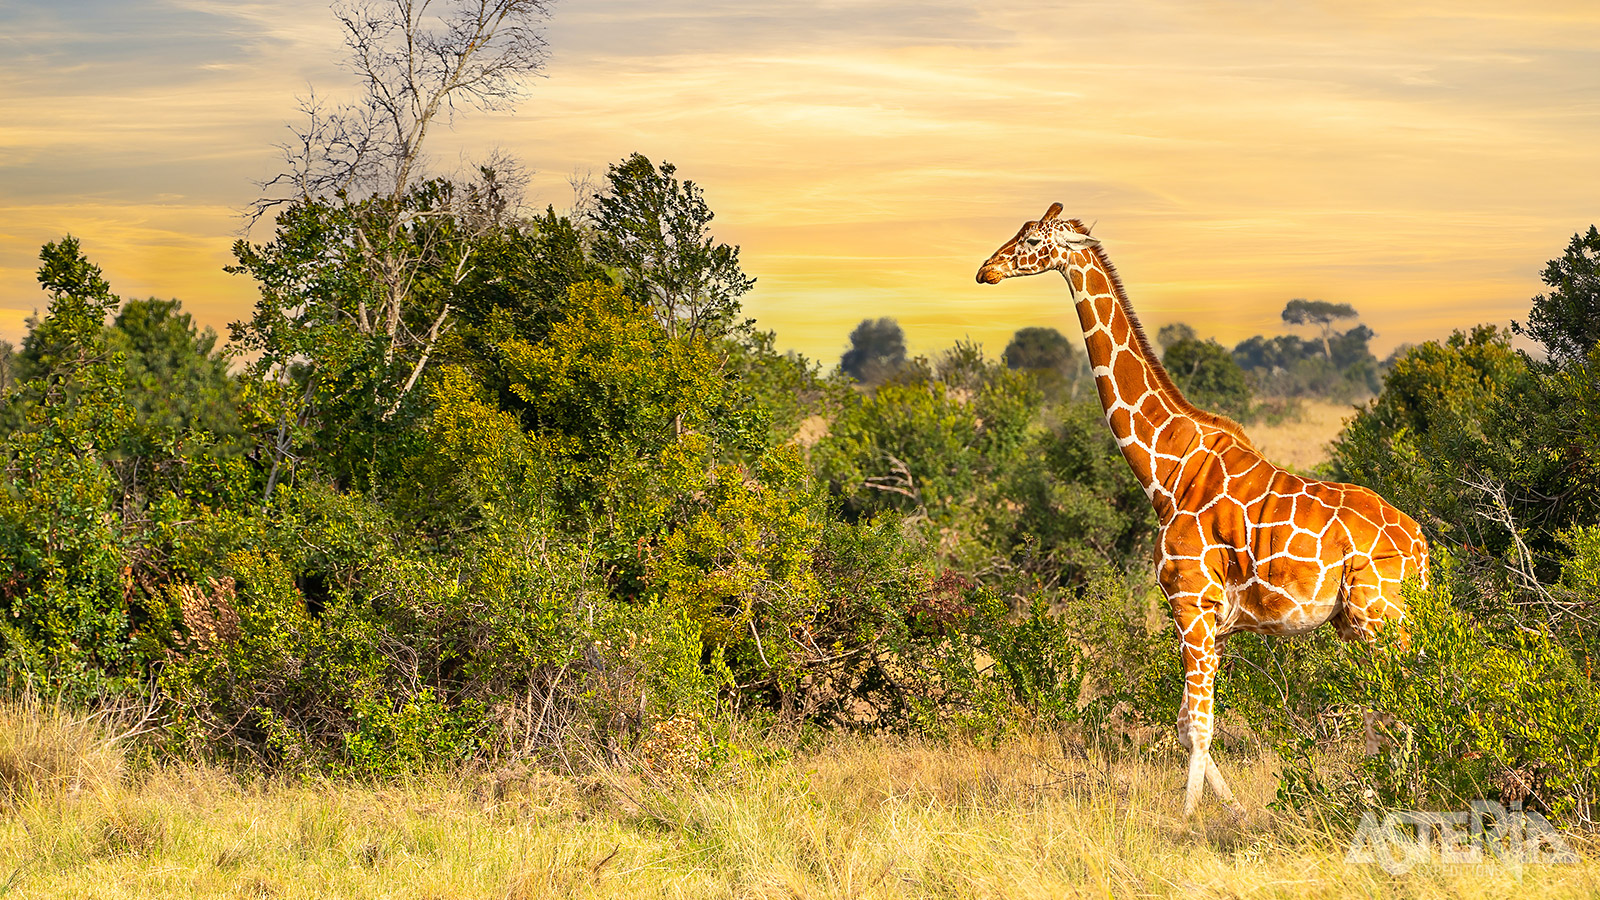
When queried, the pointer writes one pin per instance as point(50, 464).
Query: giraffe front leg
point(1198, 630)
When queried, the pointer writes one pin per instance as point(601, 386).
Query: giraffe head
point(1039, 247)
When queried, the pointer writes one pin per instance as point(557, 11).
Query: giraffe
point(1242, 544)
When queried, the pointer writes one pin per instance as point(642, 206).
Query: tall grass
point(1032, 816)
point(47, 751)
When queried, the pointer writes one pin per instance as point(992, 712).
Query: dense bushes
point(565, 525)
point(573, 529)
point(1463, 712)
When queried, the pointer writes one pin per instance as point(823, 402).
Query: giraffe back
point(1290, 552)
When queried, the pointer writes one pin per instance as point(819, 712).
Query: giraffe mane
point(1206, 417)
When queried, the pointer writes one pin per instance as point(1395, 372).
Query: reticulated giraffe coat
point(1243, 545)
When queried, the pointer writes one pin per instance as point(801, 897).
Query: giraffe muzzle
point(990, 274)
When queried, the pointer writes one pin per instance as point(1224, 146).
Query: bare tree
point(414, 59)
point(417, 62)
point(371, 248)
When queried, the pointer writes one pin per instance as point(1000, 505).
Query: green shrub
point(418, 734)
point(1471, 713)
point(1040, 665)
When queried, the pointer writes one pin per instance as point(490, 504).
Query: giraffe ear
point(1079, 241)
point(1051, 213)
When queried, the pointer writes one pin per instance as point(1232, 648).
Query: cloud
point(1419, 160)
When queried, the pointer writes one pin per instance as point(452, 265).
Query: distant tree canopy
point(1050, 356)
point(1320, 313)
point(1336, 365)
point(1173, 332)
point(1566, 321)
point(877, 351)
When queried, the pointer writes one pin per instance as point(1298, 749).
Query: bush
point(1472, 714)
point(1209, 378)
point(1070, 510)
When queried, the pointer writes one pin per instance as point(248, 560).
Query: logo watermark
point(1487, 834)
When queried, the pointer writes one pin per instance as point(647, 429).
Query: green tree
point(176, 379)
point(1072, 509)
point(68, 339)
point(66, 621)
point(1209, 378)
point(654, 230)
point(877, 351)
point(931, 445)
point(1566, 321)
point(1174, 332)
point(1040, 348)
point(1430, 426)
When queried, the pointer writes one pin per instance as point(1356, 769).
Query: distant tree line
point(1257, 376)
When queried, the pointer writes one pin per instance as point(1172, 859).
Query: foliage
point(1566, 321)
point(358, 649)
point(1286, 366)
point(787, 387)
point(1040, 664)
point(71, 618)
point(1470, 713)
point(929, 443)
point(1072, 511)
point(613, 402)
point(653, 229)
point(1173, 332)
point(1039, 348)
point(1320, 313)
point(1412, 442)
point(1050, 357)
point(174, 375)
point(1489, 454)
point(334, 358)
point(877, 351)
point(1209, 377)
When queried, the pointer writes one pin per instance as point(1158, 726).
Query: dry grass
point(878, 818)
point(46, 751)
point(1301, 442)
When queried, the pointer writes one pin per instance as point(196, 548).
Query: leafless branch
point(897, 481)
point(1498, 512)
point(416, 61)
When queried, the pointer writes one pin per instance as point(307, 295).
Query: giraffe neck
point(1150, 418)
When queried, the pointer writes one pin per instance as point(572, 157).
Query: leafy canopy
point(1566, 321)
point(654, 229)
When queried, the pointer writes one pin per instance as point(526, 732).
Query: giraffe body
point(1242, 545)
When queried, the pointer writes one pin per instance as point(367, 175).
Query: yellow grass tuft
point(45, 750)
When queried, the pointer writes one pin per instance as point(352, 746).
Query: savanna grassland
point(496, 554)
point(850, 817)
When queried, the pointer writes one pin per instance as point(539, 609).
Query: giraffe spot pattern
point(1242, 544)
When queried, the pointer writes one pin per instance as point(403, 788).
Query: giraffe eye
point(1033, 240)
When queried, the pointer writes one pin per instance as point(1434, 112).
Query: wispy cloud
point(1418, 160)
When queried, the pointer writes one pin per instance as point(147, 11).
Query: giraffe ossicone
point(1242, 544)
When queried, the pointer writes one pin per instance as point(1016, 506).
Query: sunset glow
point(1420, 161)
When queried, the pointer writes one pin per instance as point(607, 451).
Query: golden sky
point(1420, 161)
